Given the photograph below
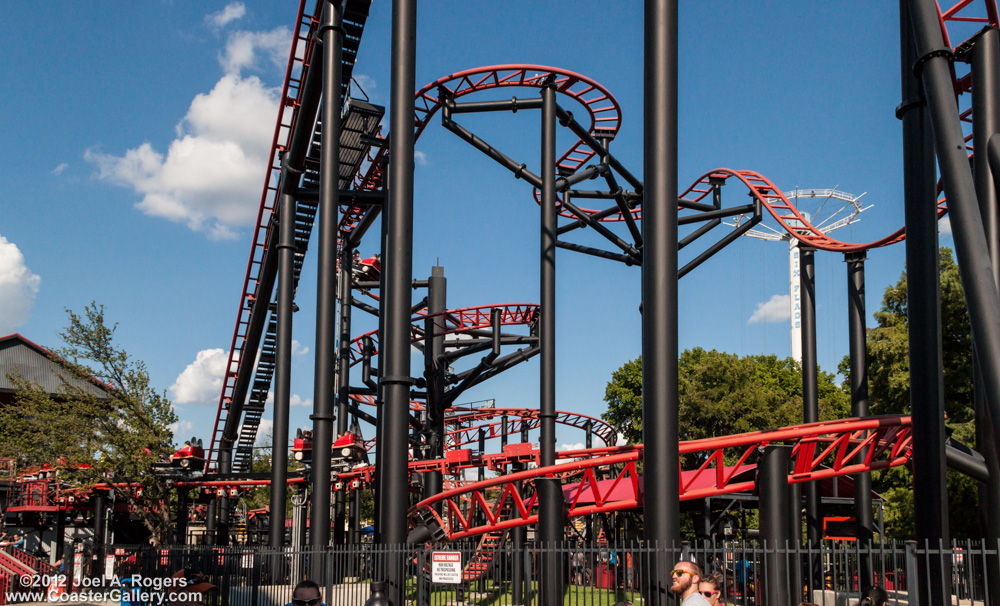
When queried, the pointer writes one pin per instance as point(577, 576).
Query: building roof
point(19, 356)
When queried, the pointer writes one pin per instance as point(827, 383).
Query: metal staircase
point(360, 119)
point(248, 341)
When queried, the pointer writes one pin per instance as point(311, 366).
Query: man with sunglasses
point(686, 576)
point(306, 593)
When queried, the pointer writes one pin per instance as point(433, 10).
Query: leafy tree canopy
point(119, 436)
point(723, 394)
point(889, 393)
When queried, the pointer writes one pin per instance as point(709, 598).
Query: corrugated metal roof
point(18, 356)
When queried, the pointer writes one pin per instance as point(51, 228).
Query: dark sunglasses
point(708, 594)
point(678, 572)
point(312, 602)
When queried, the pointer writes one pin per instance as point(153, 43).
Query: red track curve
point(602, 109)
point(523, 417)
point(785, 213)
point(459, 321)
point(830, 443)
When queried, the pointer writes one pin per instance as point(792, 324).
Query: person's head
point(306, 593)
point(873, 596)
point(686, 576)
point(711, 588)
point(193, 589)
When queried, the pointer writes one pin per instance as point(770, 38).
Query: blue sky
point(136, 139)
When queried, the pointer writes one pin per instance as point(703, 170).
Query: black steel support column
point(434, 373)
point(100, 529)
point(971, 246)
point(924, 315)
point(397, 268)
point(985, 124)
point(210, 519)
point(550, 530)
point(354, 515)
point(325, 377)
point(772, 490)
point(659, 293)
point(795, 580)
point(519, 596)
point(343, 381)
point(282, 371)
point(859, 405)
point(810, 394)
point(181, 521)
point(222, 503)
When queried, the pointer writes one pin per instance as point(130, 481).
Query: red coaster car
point(302, 446)
point(367, 270)
point(349, 448)
point(190, 457)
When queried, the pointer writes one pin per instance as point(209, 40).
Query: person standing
point(686, 577)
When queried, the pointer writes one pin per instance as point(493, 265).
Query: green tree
point(118, 436)
point(889, 393)
point(723, 394)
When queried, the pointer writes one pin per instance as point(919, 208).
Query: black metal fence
point(591, 575)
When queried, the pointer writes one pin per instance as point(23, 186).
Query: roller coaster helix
point(500, 502)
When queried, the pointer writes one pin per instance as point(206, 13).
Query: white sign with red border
point(446, 567)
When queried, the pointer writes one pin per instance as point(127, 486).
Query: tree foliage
point(723, 394)
point(119, 437)
point(888, 349)
point(889, 393)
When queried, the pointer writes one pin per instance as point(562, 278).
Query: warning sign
point(446, 567)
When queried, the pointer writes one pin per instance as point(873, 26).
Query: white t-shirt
point(695, 599)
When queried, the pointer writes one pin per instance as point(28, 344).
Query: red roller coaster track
point(604, 113)
point(819, 450)
point(518, 419)
point(457, 321)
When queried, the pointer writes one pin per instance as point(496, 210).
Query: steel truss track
point(246, 336)
point(820, 450)
point(457, 321)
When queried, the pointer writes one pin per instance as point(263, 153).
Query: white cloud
point(621, 441)
point(264, 432)
point(565, 447)
point(210, 177)
point(201, 381)
point(774, 309)
point(944, 225)
point(367, 84)
point(420, 158)
point(182, 430)
point(18, 287)
point(232, 12)
point(297, 349)
point(211, 174)
point(59, 169)
point(293, 400)
point(243, 48)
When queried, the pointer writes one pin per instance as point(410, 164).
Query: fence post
point(912, 573)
